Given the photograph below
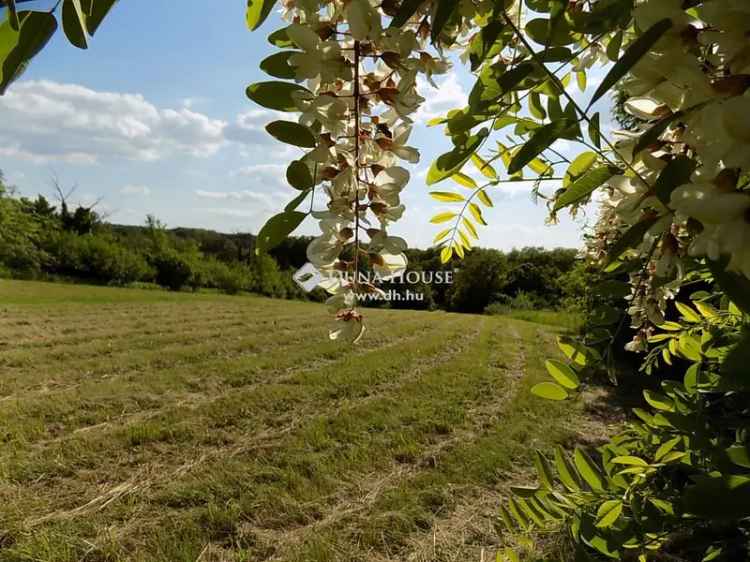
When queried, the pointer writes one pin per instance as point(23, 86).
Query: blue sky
point(153, 119)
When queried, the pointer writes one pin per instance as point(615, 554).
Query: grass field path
point(145, 426)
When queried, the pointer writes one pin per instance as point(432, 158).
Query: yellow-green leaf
point(258, 11)
point(485, 199)
point(484, 167)
point(442, 217)
point(608, 513)
point(462, 179)
point(447, 196)
point(471, 228)
point(446, 254)
point(563, 374)
point(549, 391)
point(442, 234)
point(476, 211)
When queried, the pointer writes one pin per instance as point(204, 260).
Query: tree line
point(63, 242)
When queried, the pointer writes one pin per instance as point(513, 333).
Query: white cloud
point(450, 94)
point(45, 121)
point(136, 190)
point(265, 199)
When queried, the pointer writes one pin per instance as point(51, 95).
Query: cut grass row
point(298, 450)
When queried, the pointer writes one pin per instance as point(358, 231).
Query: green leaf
point(483, 42)
point(595, 130)
point(739, 455)
point(37, 28)
point(614, 46)
point(566, 471)
point(257, 12)
point(563, 374)
point(96, 11)
point(297, 201)
point(578, 353)
point(635, 51)
point(280, 38)
point(74, 23)
point(277, 229)
point(544, 470)
point(8, 41)
point(407, 9)
point(736, 286)
point(277, 65)
point(582, 164)
point(658, 401)
point(630, 460)
point(275, 95)
point(513, 77)
point(447, 196)
point(464, 180)
point(585, 186)
point(485, 199)
point(443, 13)
point(292, 133)
point(442, 217)
point(15, 23)
point(451, 162)
point(539, 30)
point(666, 447)
point(632, 237)
point(588, 470)
point(608, 513)
point(541, 140)
point(549, 391)
point(299, 177)
point(677, 173)
point(484, 167)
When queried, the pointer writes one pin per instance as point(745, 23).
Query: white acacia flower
point(387, 266)
point(389, 184)
point(725, 216)
point(318, 58)
point(324, 250)
point(646, 108)
point(364, 20)
point(349, 327)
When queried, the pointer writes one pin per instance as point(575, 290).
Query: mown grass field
point(147, 426)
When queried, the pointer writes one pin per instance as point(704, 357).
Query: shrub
point(173, 270)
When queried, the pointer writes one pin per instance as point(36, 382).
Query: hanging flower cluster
point(685, 186)
point(356, 109)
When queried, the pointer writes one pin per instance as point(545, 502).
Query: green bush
point(173, 270)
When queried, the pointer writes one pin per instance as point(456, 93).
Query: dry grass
point(145, 426)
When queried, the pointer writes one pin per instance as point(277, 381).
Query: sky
point(153, 119)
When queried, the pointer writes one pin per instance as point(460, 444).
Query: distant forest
point(41, 240)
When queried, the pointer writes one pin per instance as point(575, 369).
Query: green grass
point(569, 321)
point(147, 426)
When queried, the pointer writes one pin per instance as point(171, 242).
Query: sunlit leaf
point(484, 167)
point(549, 391)
point(563, 374)
point(485, 199)
point(442, 217)
point(541, 140)
point(441, 235)
point(451, 162)
point(476, 212)
point(446, 254)
point(584, 186)
point(471, 228)
point(608, 513)
point(447, 196)
point(257, 12)
point(464, 180)
point(37, 28)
